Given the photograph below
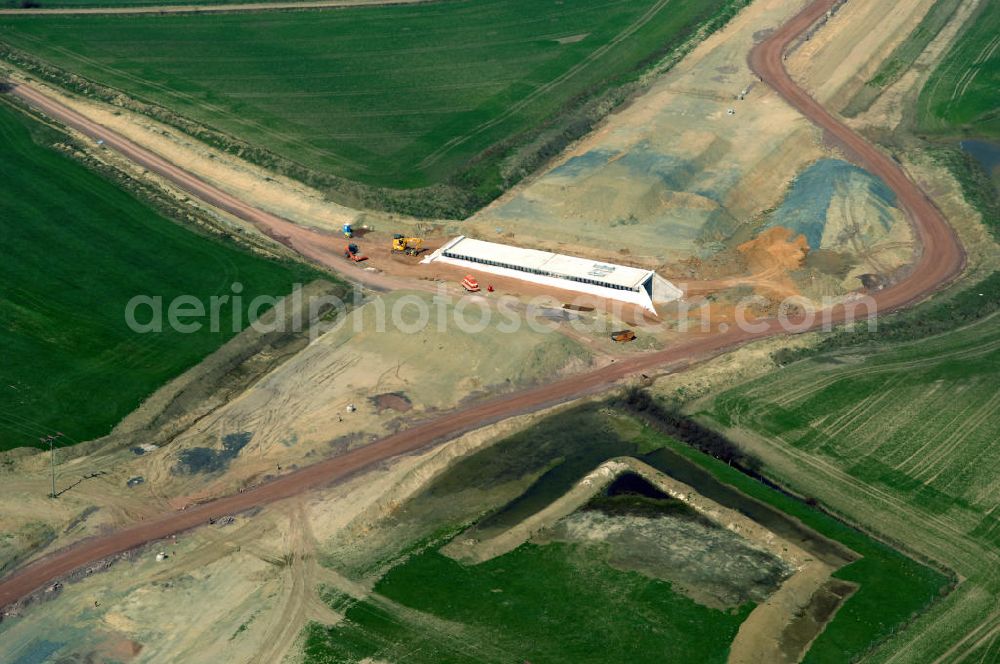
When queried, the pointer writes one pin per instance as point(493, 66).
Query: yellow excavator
point(411, 246)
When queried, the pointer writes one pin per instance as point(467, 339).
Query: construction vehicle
point(470, 284)
point(410, 246)
point(348, 231)
point(623, 336)
point(353, 252)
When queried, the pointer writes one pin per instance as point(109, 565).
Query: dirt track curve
point(941, 260)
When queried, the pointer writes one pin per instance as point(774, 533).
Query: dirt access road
point(206, 9)
point(942, 259)
point(324, 248)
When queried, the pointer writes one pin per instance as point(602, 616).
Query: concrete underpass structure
point(615, 282)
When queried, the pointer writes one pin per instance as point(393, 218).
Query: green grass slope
point(552, 603)
point(963, 93)
point(76, 249)
point(394, 96)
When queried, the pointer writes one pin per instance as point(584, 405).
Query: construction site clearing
point(607, 280)
point(755, 282)
point(421, 260)
point(270, 565)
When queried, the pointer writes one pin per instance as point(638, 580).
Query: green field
point(919, 418)
point(900, 437)
point(76, 249)
point(53, 4)
point(904, 55)
point(962, 96)
point(396, 96)
point(517, 607)
point(552, 603)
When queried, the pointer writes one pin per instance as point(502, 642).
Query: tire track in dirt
point(299, 603)
point(952, 547)
point(958, 654)
point(941, 261)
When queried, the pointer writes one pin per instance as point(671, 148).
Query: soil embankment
point(777, 630)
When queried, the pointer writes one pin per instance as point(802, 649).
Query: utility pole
point(52, 457)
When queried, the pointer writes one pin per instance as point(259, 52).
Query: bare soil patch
point(799, 634)
point(396, 401)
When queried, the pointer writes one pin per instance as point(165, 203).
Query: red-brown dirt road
point(942, 259)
